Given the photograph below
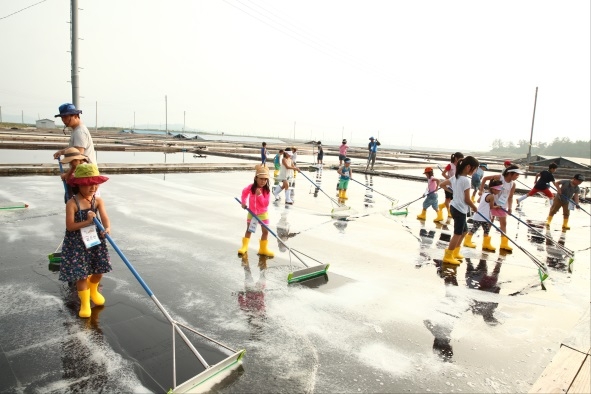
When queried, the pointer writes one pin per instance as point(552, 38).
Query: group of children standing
point(497, 202)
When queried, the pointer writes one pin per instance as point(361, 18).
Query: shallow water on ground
point(388, 317)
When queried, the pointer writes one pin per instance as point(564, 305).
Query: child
point(264, 153)
point(504, 199)
point(286, 173)
point(541, 183)
point(477, 178)
point(461, 202)
point(82, 262)
point(346, 173)
point(277, 162)
point(73, 157)
point(565, 190)
point(320, 156)
point(343, 152)
point(487, 203)
point(258, 194)
point(431, 193)
point(448, 173)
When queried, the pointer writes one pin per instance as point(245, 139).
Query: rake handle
point(319, 188)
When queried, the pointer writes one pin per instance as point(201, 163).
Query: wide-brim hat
point(87, 174)
point(516, 171)
point(288, 151)
point(68, 109)
point(261, 171)
point(72, 154)
point(371, 138)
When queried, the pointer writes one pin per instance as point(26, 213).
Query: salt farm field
point(387, 320)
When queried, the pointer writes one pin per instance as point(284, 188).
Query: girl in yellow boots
point(257, 194)
point(461, 202)
point(487, 203)
point(504, 199)
point(448, 172)
point(85, 257)
point(345, 173)
point(431, 193)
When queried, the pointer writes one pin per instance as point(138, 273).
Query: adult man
point(80, 137)
point(372, 147)
point(566, 191)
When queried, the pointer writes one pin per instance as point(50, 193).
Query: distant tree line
point(559, 147)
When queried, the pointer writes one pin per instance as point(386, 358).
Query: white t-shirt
point(80, 137)
point(459, 186)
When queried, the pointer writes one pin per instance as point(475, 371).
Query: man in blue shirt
point(373, 151)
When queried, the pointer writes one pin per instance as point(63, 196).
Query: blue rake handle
point(64, 182)
point(423, 196)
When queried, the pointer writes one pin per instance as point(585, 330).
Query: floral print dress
point(78, 262)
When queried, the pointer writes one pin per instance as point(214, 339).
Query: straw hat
point(72, 154)
point(87, 174)
point(261, 171)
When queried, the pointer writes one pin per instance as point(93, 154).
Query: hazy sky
point(449, 74)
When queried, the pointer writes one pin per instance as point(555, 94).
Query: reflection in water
point(252, 299)
point(341, 225)
point(283, 231)
point(78, 347)
point(556, 258)
point(368, 198)
point(318, 182)
point(479, 278)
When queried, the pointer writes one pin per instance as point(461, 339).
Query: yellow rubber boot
point(84, 296)
point(275, 173)
point(244, 247)
point(448, 258)
point(457, 255)
point(422, 215)
point(344, 195)
point(505, 244)
point(95, 296)
point(468, 241)
point(263, 249)
point(565, 225)
point(439, 217)
point(549, 220)
point(486, 245)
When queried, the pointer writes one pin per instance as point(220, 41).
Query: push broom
point(340, 207)
point(393, 200)
point(300, 275)
point(542, 270)
point(191, 385)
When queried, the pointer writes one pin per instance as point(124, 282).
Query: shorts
point(343, 184)
point(264, 217)
point(476, 183)
point(277, 167)
point(342, 157)
point(431, 201)
point(448, 195)
point(460, 225)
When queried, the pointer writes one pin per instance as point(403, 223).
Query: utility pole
point(184, 117)
point(343, 133)
point(166, 114)
point(531, 134)
point(74, 53)
point(134, 120)
point(0, 114)
point(22, 116)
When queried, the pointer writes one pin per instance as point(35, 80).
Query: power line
point(4, 17)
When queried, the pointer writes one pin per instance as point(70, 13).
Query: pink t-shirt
point(257, 204)
point(343, 149)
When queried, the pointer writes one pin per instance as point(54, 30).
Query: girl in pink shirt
point(343, 152)
point(257, 194)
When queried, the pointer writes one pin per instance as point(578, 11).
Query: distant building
point(45, 124)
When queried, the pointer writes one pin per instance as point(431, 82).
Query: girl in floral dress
point(85, 257)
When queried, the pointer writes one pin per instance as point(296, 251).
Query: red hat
point(507, 162)
point(87, 174)
point(428, 169)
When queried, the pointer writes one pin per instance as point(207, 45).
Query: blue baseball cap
point(371, 138)
point(67, 109)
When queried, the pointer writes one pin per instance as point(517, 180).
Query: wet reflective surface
point(388, 317)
